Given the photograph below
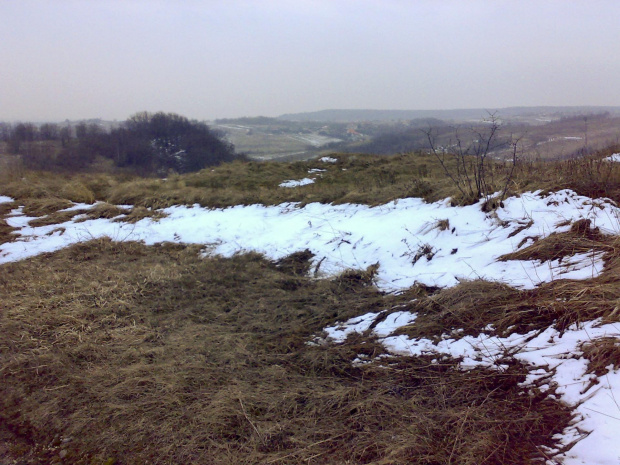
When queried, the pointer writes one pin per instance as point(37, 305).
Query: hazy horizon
point(70, 59)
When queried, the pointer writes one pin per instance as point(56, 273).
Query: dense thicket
point(147, 142)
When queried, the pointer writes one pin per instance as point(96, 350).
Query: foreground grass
point(119, 353)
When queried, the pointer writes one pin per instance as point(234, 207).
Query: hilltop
point(527, 114)
point(346, 309)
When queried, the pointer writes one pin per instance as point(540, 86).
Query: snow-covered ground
point(412, 241)
point(613, 157)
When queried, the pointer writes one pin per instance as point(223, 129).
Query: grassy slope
point(354, 178)
point(119, 353)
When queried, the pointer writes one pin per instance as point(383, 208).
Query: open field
point(264, 143)
point(117, 352)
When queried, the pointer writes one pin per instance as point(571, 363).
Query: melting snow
point(297, 183)
point(412, 241)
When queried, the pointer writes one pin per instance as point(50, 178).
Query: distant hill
point(446, 115)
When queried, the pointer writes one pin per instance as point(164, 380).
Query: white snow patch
point(358, 324)
point(5, 199)
point(79, 206)
point(328, 160)
point(357, 236)
point(614, 157)
point(297, 183)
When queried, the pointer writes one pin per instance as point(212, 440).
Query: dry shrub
point(120, 353)
point(11, 168)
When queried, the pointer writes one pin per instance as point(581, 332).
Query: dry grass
point(6, 232)
point(44, 206)
point(136, 214)
point(120, 353)
point(47, 213)
point(581, 238)
point(602, 354)
point(354, 178)
point(473, 305)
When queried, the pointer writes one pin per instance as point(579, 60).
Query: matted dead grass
point(6, 232)
point(122, 353)
point(602, 354)
point(581, 238)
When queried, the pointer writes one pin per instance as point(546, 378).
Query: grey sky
point(207, 59)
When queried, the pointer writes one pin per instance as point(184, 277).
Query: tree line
point(148, 143)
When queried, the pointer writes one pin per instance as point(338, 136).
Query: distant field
point(545, 136)
point(260, 145)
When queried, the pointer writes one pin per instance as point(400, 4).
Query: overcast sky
point(211, 59)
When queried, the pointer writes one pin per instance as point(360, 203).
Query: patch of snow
point(361, 324)
point(615, 157)
point(5, 199)
point(392, 322)
point(79, 206)
point(357, 236)
point(358, 324)
point(297, 183)
point(328, 160)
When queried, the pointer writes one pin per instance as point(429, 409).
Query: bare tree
point(466, 160)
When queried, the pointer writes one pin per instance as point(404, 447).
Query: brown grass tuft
point(45, 206)
point(581, 238)
point(6, 232)
point(602, 354)
point(139, 213)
